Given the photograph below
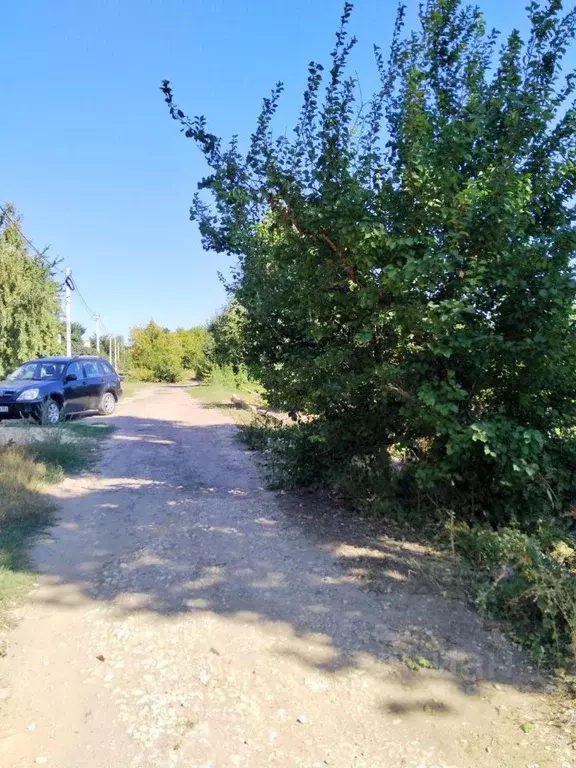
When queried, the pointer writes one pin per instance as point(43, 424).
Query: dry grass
point(24, 511)
point(21, 478)
point(25, 470)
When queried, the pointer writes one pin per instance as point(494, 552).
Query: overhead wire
point(29, 242)
point(83, 300)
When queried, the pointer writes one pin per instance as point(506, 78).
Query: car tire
point(107, 404)
point(50, 413)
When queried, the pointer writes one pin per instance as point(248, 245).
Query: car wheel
point(107, 404)
point(50, 413)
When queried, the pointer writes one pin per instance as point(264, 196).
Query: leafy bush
point(140, 374)
point(228, 376)
point(168, 371)
point(529, 581)
point(227, 336)
point(157, 350)
point(220, 375)
point(256, 435)
point(195, 344)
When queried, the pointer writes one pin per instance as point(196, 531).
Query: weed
point(529, 580)
point(418, 663)
point(60, 455)
point(254, 436)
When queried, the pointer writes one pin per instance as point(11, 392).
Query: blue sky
point(91, 159)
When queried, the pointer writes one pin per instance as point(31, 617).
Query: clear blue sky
point(90, 157)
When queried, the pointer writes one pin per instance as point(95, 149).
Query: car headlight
point(29, 394)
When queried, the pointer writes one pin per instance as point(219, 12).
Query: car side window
point(74, 369)
point(103, 368)
point(91, 370)
point(107, 367)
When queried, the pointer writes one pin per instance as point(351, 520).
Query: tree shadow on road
point(179, 523)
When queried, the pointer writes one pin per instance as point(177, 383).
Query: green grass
point(96, 429)
point(16, 573)
point(25, 508)
point(217, 396)
point(61, 456)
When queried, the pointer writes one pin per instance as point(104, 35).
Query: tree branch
point(320, 235)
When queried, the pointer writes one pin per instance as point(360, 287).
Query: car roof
point(50, 360)
point(64, 359)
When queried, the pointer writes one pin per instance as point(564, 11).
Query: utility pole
point(97, 333)
point(110, 349)
point(68, 318)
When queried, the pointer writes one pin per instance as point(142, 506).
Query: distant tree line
point(213, 352)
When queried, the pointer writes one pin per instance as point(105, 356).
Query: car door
point(75, 393)
point(94, 384)
point(110, 376)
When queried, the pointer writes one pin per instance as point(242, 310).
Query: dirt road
point(185, 616)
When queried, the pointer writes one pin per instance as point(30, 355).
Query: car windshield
point(37, 371)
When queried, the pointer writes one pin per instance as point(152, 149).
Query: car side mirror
point(70, 377)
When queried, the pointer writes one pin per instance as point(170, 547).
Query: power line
point(83, 300)
point(29, 242)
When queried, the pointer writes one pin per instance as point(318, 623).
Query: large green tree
point(405, 263)
point(155, 351)
point(194, 344)
point(29, 306)
point(227, 336)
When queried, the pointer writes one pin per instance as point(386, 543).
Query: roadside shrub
point(155, 349)
point(168, 371)
point(228, 376)
point(528, 580)
point(259, 432)
point(220, 375)
point(140, 374)
point(194, 344)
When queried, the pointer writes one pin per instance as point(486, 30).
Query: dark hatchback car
point(50, 388)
